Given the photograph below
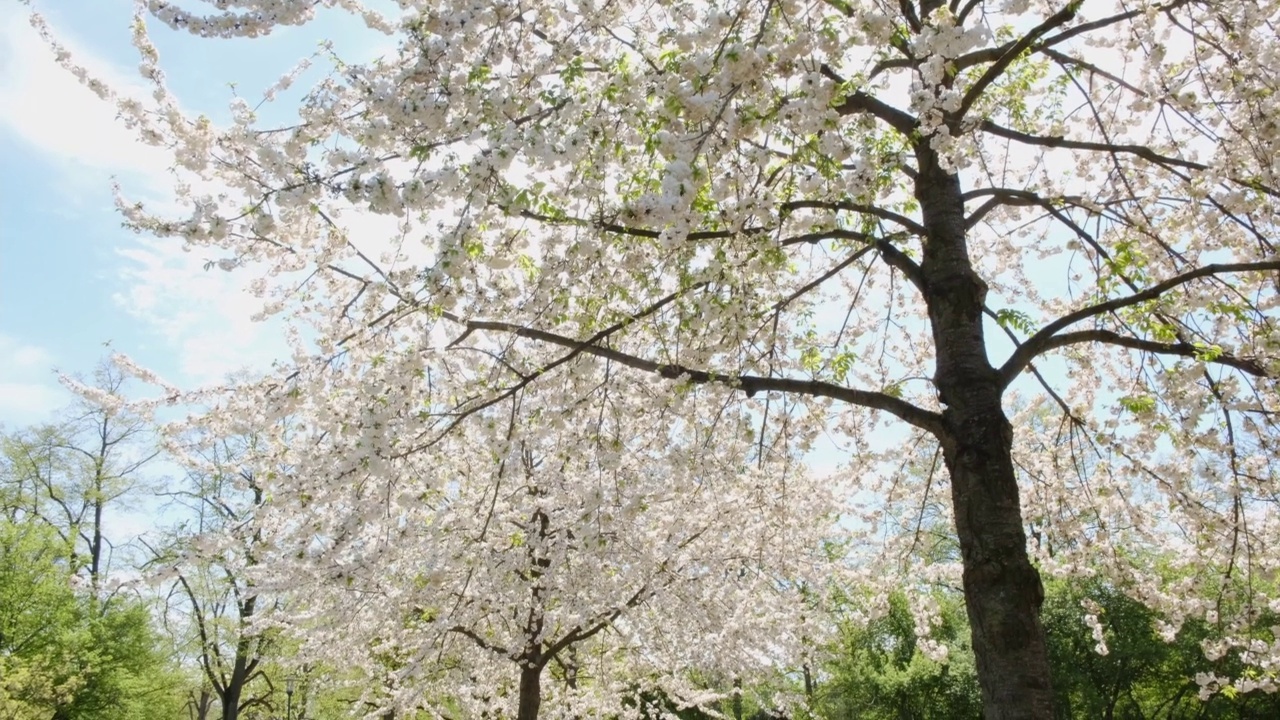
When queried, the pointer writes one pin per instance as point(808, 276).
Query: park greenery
point(746, 358)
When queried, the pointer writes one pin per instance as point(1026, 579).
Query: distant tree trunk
point(245, 664)
point(231, 700)
point(199, 705)
point(737, 699)
point(1002, 590)
point(95, 543)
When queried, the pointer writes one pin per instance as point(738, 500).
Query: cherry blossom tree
point(210, 599)
point(884, 220)
point(562, 554)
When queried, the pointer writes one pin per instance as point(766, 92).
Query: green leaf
point(1015, 320)
point(811, 359)
point(841, 364)
point(1207, 353)
point(1138, 404)
point(479, 74)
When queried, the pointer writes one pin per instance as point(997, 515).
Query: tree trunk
point(240, 673)
point(99, 499)
point(530, 692)
point(95, 547)
point(737, 699)
point(231, 701)
point(1002, 589)
point(199, 705)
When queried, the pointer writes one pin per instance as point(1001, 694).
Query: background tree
point(74, 642)
point(212, 602)
point(549, 558)
point(825, 207)
point(1108, 657)
point(880, 672)
point(38, 669)
point(65, 656)
point(73, 473)
point(1110, 660)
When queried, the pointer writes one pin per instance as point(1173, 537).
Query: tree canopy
point(878, 224)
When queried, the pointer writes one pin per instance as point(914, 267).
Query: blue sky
point(71, 278)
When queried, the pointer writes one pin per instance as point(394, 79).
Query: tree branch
point(858, 102)
point(576, 347)
point(484, 644)
point(750, 384)
point(1044, 339)
point(830, 273)
point(910, 225)
point(619, 229)
point(596, 624)
point(1057, 141)
point(1006, 58)
point(1185, 349)
point(209, 652)
point(1018, 198)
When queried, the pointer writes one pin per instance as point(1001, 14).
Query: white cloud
point(28, 391)
point(203, 315)
point(24, 357)
point(23, 403)
point(47, 109)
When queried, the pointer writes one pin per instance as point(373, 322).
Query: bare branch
point(1044, 339)
point(832, 272)
point(1184, 349)
point(1006, 58)
point(749, 384)
point(1057, 141)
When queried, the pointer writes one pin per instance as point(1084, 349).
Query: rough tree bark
point(231, 700)
point(530, 692)
point(1003, 592)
